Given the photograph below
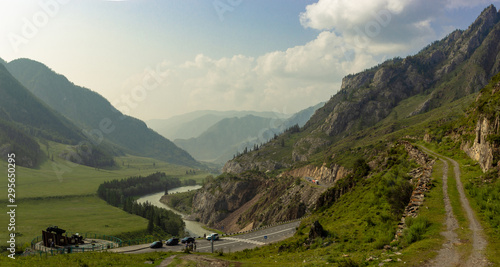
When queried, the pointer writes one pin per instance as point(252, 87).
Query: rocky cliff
point(252, 199)
point(464, 59)
point(447, 70)
point(325, 174)
point(485, 116)
point(456, 66)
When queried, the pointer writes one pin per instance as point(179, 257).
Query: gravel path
point(448, 255)
point(479, 243)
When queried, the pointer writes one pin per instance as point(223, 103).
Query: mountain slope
point(95, 114)
point(230, 136)
point(25, 120)
point(21, 106)
point(359, 126)
point(223, 136)
point(445, 71)
point(193, 124)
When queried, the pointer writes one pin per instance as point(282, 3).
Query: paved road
point(230, 243)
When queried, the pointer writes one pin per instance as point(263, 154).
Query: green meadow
point(62, 193)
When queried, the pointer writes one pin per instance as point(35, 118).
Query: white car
point(215, 236)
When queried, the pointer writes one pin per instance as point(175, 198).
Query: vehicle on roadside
point(172, 241)
point(156, 244)
point(213, 236)
point(187, 239)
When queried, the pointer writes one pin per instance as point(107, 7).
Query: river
point(194, 228)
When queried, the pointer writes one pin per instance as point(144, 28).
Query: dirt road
point(448, 255)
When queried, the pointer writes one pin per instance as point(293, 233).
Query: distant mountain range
point(193, 124)
point(229, 136)
point(86, 115)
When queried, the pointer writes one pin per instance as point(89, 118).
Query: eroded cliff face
point(246, 163)
point(325, 174)
point(481, 150)
point(217, 199)
point(252, 200)
point(485, 114)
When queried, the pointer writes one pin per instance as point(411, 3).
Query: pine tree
point(151, 225)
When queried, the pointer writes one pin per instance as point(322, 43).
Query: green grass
point(433, 211)
point(76, 214)
point(69, 200)
point(471, 175)
point(89, 259)
point(359, 224)
point(182, 202)
point(63, 178)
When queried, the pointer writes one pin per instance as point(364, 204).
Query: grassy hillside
point(21, 106)
point(12, 139)
point(356, 223)
point(62, 193)
point(92, 112)
point(359, 224)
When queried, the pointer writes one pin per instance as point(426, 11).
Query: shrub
point(416, 229)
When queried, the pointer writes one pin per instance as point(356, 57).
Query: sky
point(157, 59)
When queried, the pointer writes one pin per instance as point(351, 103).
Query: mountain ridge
point(230, 136)
point(373, 109)
point(99, 120)
point(194, 123)
point(440, 73)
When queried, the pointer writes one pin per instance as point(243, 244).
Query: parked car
point(156, 244)
point(187, 239)
point(213, 236)
point(172, 241)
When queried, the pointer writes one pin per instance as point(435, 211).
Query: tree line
point(121, 193)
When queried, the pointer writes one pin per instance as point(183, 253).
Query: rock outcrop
point(421, 179)
point(247, 164)
point(481, 150)
point(316, 231)
point(325, 174)
point(368, 97)
point(482, 142)
point(252, 199)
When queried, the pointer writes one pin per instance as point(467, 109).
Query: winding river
point(194, 228)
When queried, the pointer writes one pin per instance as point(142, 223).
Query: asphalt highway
point(226, 243)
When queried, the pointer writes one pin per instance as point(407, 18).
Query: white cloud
point(284, 81)
point(398, 25)
point(468, 3)
point(353, 36)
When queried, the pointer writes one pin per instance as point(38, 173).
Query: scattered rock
point(316, 231)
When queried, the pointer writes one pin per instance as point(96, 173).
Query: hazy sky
point(156, 59)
